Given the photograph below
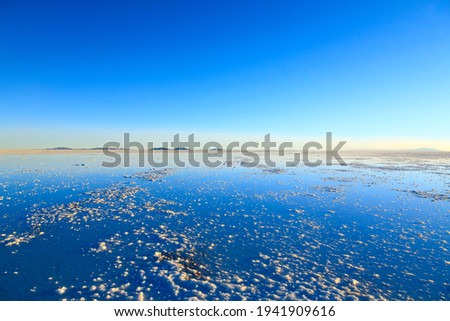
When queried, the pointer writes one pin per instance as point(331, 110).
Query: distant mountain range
point(95, 148)
point(111, 148)
point(422, 149)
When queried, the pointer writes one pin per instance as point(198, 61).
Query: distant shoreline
point(97, 151)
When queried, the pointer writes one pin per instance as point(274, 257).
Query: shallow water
point(378, 229)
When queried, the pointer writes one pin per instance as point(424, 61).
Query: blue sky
point(80, 73)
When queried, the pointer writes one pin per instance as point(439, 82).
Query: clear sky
point(80, 73)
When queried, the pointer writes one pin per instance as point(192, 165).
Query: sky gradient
point(80, 73)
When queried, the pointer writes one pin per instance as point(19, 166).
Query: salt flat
point(377, 229)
